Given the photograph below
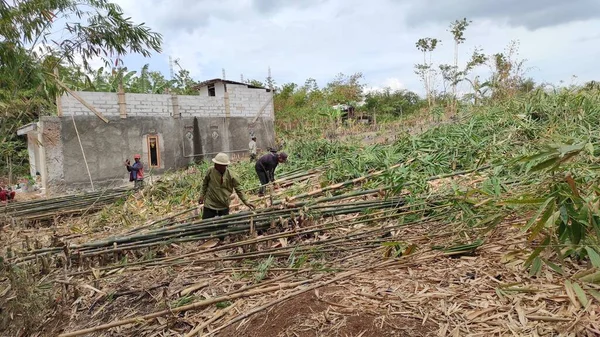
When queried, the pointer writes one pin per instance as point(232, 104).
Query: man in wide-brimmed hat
point(217, 187)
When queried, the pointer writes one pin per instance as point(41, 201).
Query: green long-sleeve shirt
point(217, 189)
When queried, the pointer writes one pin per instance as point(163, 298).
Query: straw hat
point(221, 159)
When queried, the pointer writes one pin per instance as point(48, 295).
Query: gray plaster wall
point(203, 126)
point(108, 145)
point(52, 151)
point(228, 134)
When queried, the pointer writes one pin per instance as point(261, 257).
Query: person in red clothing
point(136, 171)
point(6, 195)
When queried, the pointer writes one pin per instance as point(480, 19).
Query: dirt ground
point(310, 316)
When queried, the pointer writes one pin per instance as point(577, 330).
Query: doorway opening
point(153, 151)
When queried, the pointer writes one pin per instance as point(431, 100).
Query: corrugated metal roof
point(215, 80)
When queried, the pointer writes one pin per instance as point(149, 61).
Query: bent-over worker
point(265, 168)
point(217, 187)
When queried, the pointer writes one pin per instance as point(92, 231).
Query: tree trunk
point(9, 165)
point(455, 77)
point(426, 79)
point(430, 79)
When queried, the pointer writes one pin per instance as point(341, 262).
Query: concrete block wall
point(139, 105)
point(247, 102)
point(104, 102)
point(198, 106)
point(243, 102)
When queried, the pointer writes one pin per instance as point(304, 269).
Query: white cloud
point(318, 39)
point(392, 83)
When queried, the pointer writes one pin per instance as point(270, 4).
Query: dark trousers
point(264, 180)
point(252, 157)
point(211, 213)
point(137, 184)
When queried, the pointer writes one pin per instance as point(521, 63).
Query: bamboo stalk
point(179, 230)
point(342, 184)
point(192, 306)
point(163, 261)
point(217, 316)
point(299, 292)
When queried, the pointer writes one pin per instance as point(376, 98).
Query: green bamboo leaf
point(534, 157)
point(580, 294)
point(577, 231)
point(595, 294)
point(548, 219)
point(567, 157)
point(590, 148)
point(592, 278)
point(536, 266)
point(596, 225)
point(546, 164)
point(553, 266)
point(594, 257)
point(537, 251)
point(567, 149)
point(570, 292)
point(537, 214)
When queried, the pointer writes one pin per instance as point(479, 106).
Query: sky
point(300, 39)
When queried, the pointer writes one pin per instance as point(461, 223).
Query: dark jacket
point(136, 171)
point(267, 164)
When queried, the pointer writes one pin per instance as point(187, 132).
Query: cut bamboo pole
point(342, 184)
point(82, 152)
point(81, 100)
point(217, 316)
point(299, 292)
point(192, 306)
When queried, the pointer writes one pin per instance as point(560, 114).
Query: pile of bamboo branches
point(44, 209)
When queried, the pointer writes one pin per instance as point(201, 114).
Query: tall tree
point(28, 54)
point(457, 28)
point(345, 89)
point(427, 46)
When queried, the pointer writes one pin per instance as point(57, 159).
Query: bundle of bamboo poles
point(44, 209)
point(372, 227)
point(195, 229)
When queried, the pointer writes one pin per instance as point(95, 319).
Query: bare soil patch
point(308, 315)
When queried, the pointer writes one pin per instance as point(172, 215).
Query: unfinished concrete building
point(104, 129)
